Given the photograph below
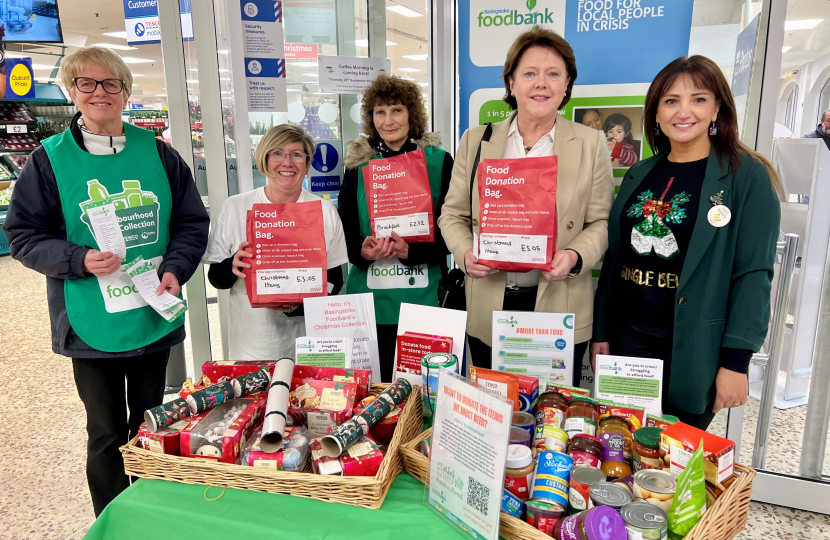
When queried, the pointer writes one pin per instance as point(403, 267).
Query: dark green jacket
point(723, 299)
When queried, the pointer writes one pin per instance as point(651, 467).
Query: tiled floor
point(42, 439)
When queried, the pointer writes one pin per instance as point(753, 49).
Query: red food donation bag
point(399, 197)
point(517, 213)
point(289, 246)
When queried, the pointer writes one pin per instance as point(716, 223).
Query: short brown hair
point(391, 90)
point(279, 136)
point(705, 75)
point(538, 37)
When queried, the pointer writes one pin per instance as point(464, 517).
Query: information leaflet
point(351, 315)
point(399, 197)
point(538, 345)
point(289, 246)
point(630, 381)
point(469, 449)
point(517, 213)
point(323, 352)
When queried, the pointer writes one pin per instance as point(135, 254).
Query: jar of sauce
point(646, 448)
point(586, 450)
point(581, 416)
point(550, 410)
point(613, 457)
point(618, 424)
point(518, 476)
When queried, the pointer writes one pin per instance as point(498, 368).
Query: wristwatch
point(577, 268)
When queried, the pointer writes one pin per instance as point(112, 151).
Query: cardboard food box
point(326, 404)
point(362, 459)
point(497, 382)
point(273, 460)
point(567, 391)
point(528, 393)
point(413, 346)
point(679, 441)
point(195, 440)
point(657, 421)
point(362, 377)
point(164, 441)
point(225, 370)
point(633, 414)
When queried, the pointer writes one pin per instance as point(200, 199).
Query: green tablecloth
point(159, 509)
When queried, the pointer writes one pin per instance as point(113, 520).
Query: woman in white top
point(284, 156)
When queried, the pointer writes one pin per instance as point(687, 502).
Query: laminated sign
point(517, 213)
point(399, 197)
point(289, 246)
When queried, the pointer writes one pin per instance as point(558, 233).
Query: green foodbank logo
point(508, 17)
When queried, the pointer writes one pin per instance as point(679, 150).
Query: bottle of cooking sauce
point(646, 448)
point(518, 476)
point(586, 450)
point(613, 456)
point(618, 424)
point(550, 411)
point(581, 416)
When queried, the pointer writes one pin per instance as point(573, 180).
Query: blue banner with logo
point(614, 41)
point(20, 78)
point(141, 20)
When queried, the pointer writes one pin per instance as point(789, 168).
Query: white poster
point(469, 450)
point(538, 345)
point(630, 381)
point(333, 352)
point(349, 75)
point(350, 315)
point(434, 321)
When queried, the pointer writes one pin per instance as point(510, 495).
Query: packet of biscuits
point(679, 441)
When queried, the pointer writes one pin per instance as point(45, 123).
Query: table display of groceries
point(580, 468)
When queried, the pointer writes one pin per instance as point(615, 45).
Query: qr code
point(477, 496)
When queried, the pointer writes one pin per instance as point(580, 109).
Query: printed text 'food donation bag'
point(399, 197)
point(517, 213)
point(289, 246)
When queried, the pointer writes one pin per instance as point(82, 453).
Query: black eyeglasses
point(88, 86)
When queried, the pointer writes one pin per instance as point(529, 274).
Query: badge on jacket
point(719, 215)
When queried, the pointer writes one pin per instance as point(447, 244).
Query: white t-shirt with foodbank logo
point(262, 333)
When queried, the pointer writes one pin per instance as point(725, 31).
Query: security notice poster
point(538, 345)
point(469, 449)
point(351, 315)
point(262, 33)
point(517, 213)
point(631, 381)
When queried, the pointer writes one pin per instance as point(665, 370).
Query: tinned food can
point(609, 494)
point(582, 478)
point(553, 476)
point(655, 487)
point(550, 438)
point(646, 521)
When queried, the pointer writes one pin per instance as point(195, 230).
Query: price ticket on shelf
point(517, 213)
point(289, 246)
point(144, 276)
point(399, 198)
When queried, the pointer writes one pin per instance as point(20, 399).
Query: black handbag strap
point(486, 137)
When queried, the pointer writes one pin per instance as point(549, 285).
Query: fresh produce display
point(18, 142)
point(15, 113)
point(18, 162)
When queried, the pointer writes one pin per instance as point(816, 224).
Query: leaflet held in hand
point(399, 197)
point(144, 276)
point(289, 246)
point(106, 228)
point(517, 213)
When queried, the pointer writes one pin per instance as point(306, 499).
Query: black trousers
point(100, 383)
point(624, 340)
point(387, 343)
point(519, 301)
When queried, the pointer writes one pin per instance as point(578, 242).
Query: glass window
point(407, 41)
point(824, 99)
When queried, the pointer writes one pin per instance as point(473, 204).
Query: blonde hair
point(279, 136)
point(73, 64)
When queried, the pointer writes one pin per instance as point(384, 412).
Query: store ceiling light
point(405, 11)
point(42, 66)
point(223, 51)
point(424, 83)
point(138, 75)
point(409, 69)
point(161, 95)
point(192, 81)
point(804, 24)
point(303, 63)
point(407, 78)
point(365, 43)
point(134, 60)
point(121, 35)
point(310, 75)
point(416, 56)
point(224, 70)
point(785, 49)
point(115, 46)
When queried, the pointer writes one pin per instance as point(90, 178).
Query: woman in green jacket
point(692, 236)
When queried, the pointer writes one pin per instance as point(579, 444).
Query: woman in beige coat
point(538, 75)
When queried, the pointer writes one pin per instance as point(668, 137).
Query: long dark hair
point(705, 75)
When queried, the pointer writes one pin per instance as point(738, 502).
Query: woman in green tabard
point(395, 122)
point(98, 317)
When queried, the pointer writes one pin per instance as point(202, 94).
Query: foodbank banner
point(616, 42)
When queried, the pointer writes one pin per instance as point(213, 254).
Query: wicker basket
point(365, 491)
point(723, 521)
